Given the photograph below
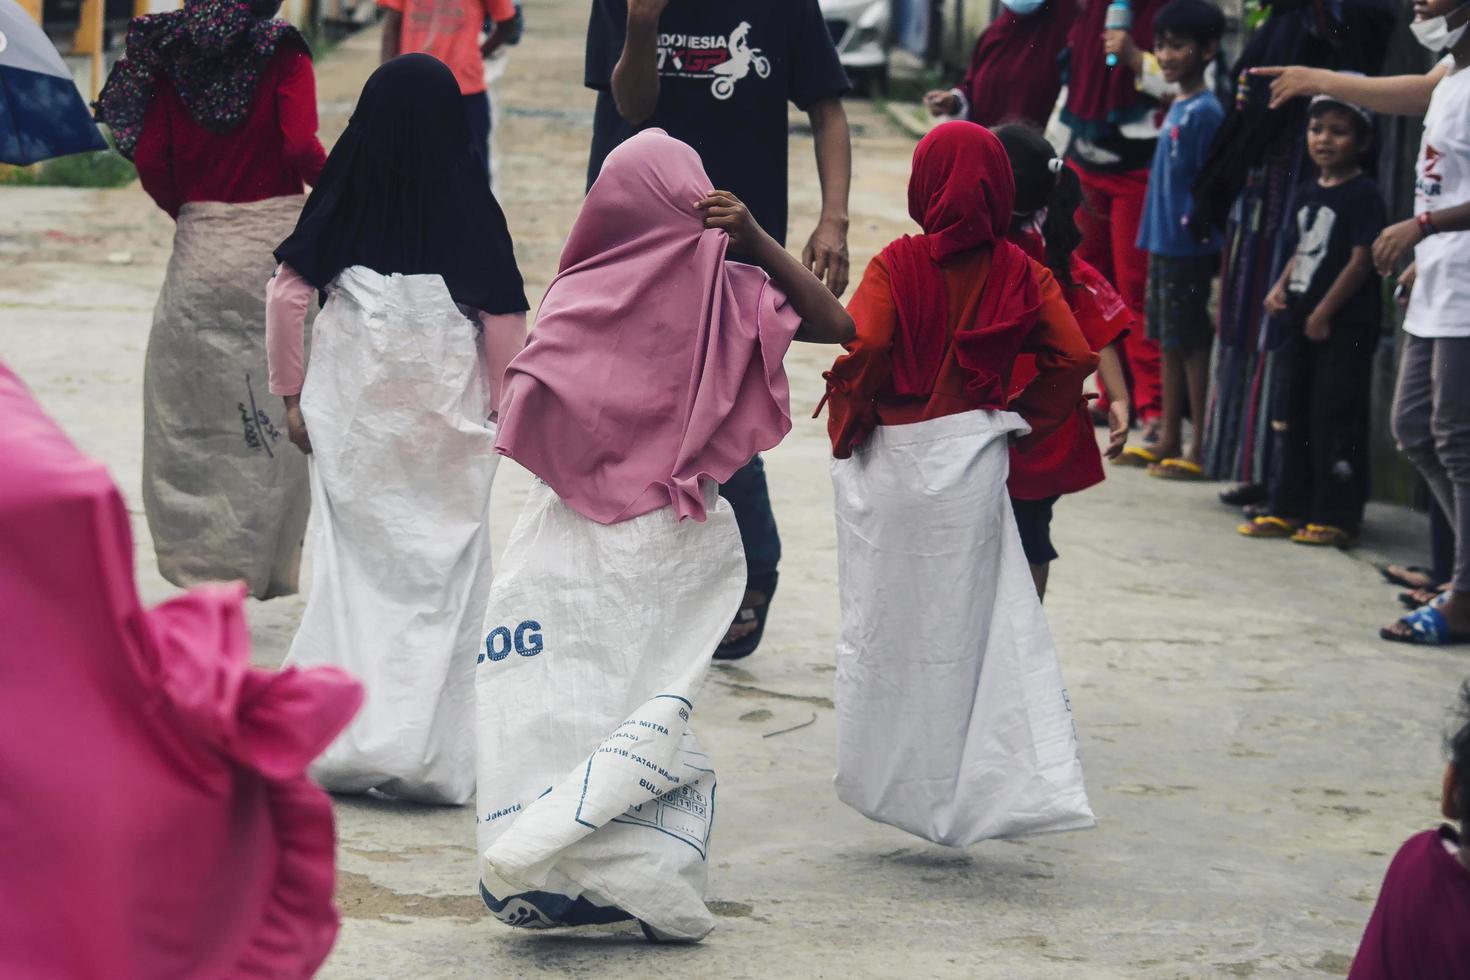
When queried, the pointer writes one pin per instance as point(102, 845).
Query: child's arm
point(1115, 382)
point(1276, 298)
point(287, 300)
point(1343, 289)
point(1063, 362)
point(1396, 95)
point(823, 320)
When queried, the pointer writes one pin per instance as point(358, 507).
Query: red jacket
point(273, 153)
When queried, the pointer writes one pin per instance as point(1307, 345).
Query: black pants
point(477, 114)
point(1320, 420)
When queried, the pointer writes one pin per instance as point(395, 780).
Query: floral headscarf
point(213, 51)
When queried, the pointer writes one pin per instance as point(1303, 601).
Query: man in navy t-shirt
point(718, 74)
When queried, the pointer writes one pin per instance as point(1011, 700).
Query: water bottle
point(1119, 18)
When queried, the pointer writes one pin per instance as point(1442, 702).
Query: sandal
point(1252, 511)
point(1177, 469)
point(1270, 527)
point(1426, 627)
point(1137, 456)
point(1325, 536)
point(1243, 494)
point(1409, 576)
point(1422, 597)
point(753, 613)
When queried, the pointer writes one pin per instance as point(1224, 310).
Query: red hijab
point(961, 193)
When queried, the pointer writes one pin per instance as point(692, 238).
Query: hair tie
point(1055, 165)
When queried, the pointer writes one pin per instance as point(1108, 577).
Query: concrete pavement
point(1254, 753)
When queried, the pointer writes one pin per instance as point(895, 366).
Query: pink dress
point(155, 814)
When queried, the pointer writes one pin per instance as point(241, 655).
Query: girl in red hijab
point(932, 577)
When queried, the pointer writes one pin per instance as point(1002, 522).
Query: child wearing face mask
point(1431, 413)
point(1015, 71)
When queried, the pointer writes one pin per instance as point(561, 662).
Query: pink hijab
point(155, 816)
point(655, 363)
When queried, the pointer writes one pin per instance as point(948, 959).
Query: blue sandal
point(1427, 627)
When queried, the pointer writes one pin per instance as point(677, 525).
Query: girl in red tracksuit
point(1048, 195)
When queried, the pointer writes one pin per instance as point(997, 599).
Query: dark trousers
point(477, 114)
point(751, 501)
point(1320, 417)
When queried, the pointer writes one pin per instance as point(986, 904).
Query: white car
point(861, 29)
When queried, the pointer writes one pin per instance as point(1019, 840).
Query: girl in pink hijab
point(653, 373)
point(155, 811)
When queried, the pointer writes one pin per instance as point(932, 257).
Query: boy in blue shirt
point(1186, 39)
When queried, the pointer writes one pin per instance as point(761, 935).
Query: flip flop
point(1136, 456)
point(1427, 628)
point(1177, 469)
point(1408, 576)
point(1269, 527)
point(755, 613)
point(1325, 536)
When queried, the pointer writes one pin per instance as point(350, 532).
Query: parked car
point(862, 31)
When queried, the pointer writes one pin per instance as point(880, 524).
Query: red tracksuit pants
point(1109, 223)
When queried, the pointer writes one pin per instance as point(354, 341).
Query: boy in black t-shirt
point(1329, 295)
point(719, 75)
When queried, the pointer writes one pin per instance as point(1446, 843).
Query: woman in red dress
point(216, 105)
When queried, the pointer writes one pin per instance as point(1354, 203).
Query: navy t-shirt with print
point(727, 69)
point(1325, 225)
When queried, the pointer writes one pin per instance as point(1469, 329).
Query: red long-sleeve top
point(273, 153)
point(860, 384)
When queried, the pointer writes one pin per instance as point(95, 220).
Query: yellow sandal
point(1325, 536)
point(1270, 527)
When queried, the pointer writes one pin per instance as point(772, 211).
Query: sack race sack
point(952, 721)
point(595, 801)
point(402, 466)
point(224, 490)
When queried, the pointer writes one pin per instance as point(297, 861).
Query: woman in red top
point(1015, 70)
point(1048, 195)
point(216, 105)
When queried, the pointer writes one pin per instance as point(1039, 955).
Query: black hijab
point(402, 193)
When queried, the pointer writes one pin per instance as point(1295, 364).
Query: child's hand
point(725, 211)
point(940, 103)
point(296, 429)
point(1319, 327)
point(1117, 427)
point(1121, 44)
point(1276, 300)
point(1293, 82)
point(1395, 242)
point(1407, 278)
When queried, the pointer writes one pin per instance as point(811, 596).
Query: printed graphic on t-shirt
point(1431, 181)
point(724, 60)
point(1314, 232)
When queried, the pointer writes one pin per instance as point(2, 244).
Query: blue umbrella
point(42, 115)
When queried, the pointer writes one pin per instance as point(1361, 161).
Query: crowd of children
point(1329, 250)
point(966, 350)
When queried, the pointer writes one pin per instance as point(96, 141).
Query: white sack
point(595, 802)
point(952, 722)
point(402, 464)
point(224, 490)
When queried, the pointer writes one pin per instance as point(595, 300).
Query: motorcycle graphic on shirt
point(723, 60)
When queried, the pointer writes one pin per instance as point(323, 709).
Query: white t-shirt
point(1440, 303)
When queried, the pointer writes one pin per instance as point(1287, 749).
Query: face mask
point(1022, 7)
point(1435, 34)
